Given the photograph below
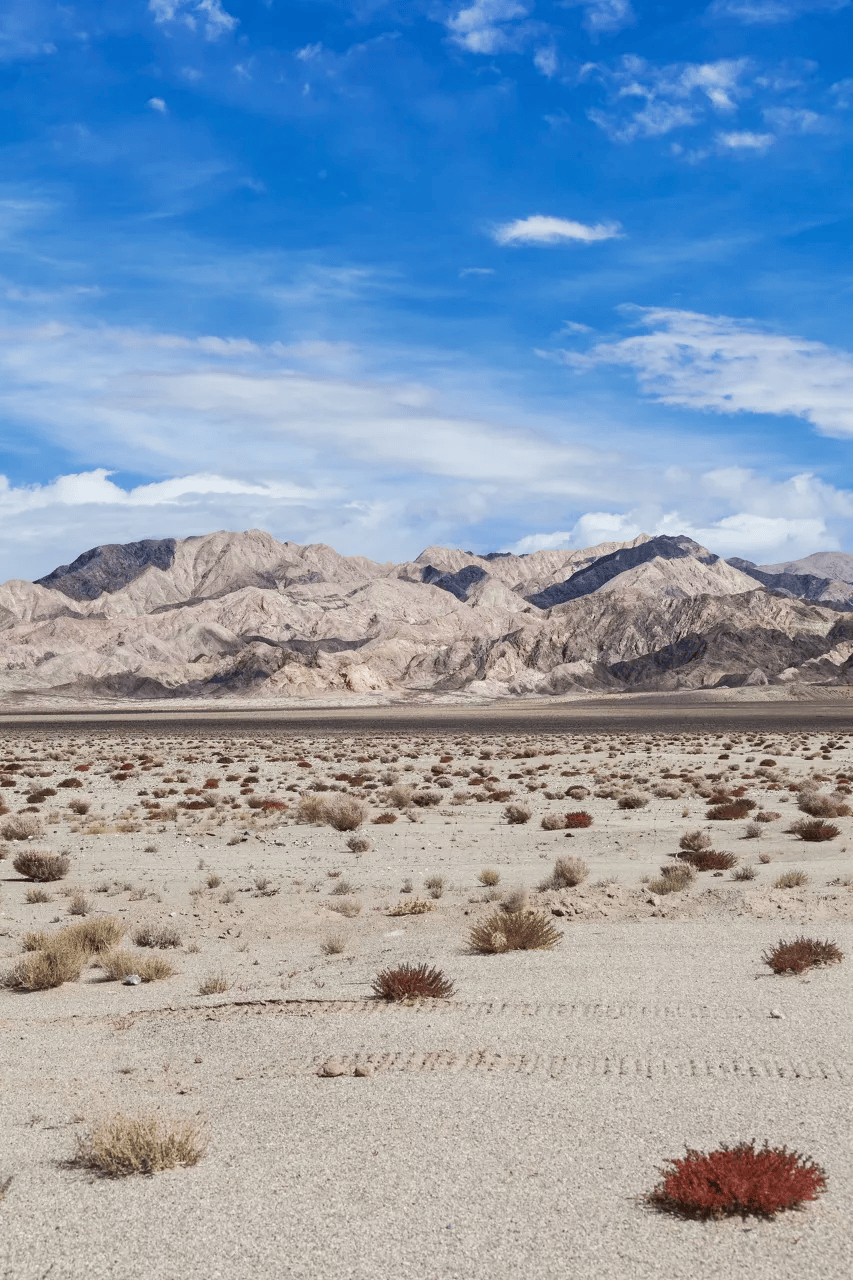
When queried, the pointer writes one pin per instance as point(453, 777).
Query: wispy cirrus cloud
point(207, 14)
point(771, 12)
point(734, 366)
point(539, 229)
point(603, 17)
point(671, 97)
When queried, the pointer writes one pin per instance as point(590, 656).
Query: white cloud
point(769, 12)
point(745, 141)
point(190, 13)
point(539, 229)
point(157, 104)
point(790, 120)
point(547, 61)
point(484, 27)
point(734, 366)
point(477, 271)
point(309, 52)
point(673, 96)
point(606, 16)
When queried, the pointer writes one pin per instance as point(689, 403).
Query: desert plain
point(513, 1128)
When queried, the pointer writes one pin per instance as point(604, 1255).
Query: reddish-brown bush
point(71, 782)
point(709, 859)
point(801, 954)
point(580, 818)
point(730, 812)
point(739, 1180)
point(412, 982)
point(814, 830)
point(384, 819)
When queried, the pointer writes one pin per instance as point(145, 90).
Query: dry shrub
point(819, 804)
point(21, 826)
point(766, 815)
point(412, 907)
point(813, 830)
point(71, 782)
point(791, 880)
point(146, 935)
point(79, 904)
point(359, 844)
point(730, 811)
point(672, 879)
point(554, 822)
point(801, 954)
point(412, 982)
point(118, 965)
point(695, 841)
point(347, 907)
point(746, 872)
point(567, 873)
point(489, 877)
point(577, 792)
point(737, 1181)
point(333, 944)
point(312, 807)
point(514, 931)
point(214, 984)
point(42, 866)
point(400, 795)
point(344, 813)
point(36, 895)
point(631, 802)
point(384, 819)
point(426, 799)
point(517, 814)
point(44, 969)
point(578, 820)
point(753, 831)
point(710, 860)
point(121, 1145)
point(93, 937)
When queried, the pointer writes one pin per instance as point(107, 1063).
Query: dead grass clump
point(819, 804)
point(44, 969)
point(412, 982)
point(412, 907)
point(21, 826)
point(312, 807)
point(694, 841)
point(554, 822)
point(80, 807)
point(567, 873)
point(214, 984)
point(384, 819)
point(118, 965)
point(359, 844)
point(435, 884)
point(93, 936)
point(344, 813)
point(737, 1181)
point(813, 830)
point(42, 866)
point(79, 904)
point(514, 931)
point(36, 895)
point(672, 879)
point(766, 815)
point(631, 801)
point(347, 907)
point(791, 880)
point(710, 860)
point(578, 820)
point(426, 799)
point(489, 877)
point(145, 935)
point(122, 1145)
point(333, 944)
point(746, 872)
point(517, 814)
point(400, 795)
point(801, 954)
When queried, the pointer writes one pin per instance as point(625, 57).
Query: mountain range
point(242, 613)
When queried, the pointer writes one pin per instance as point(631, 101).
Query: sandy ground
point(512, 1128)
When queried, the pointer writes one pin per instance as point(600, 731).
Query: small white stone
point(132, 980)
point(334, 1067)
point(776, 1013)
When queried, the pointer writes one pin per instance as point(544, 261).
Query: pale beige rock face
point(242, 614)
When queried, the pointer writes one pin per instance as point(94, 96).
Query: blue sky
point(502, 274)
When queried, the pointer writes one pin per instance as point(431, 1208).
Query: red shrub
point(412, 982)
point(814, 831)
point(801, 954)
point(738, 1180)
point(730, 812)
point(709, 859)
point(384, 818)
point(579, 819)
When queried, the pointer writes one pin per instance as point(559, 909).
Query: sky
point(501, 275)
